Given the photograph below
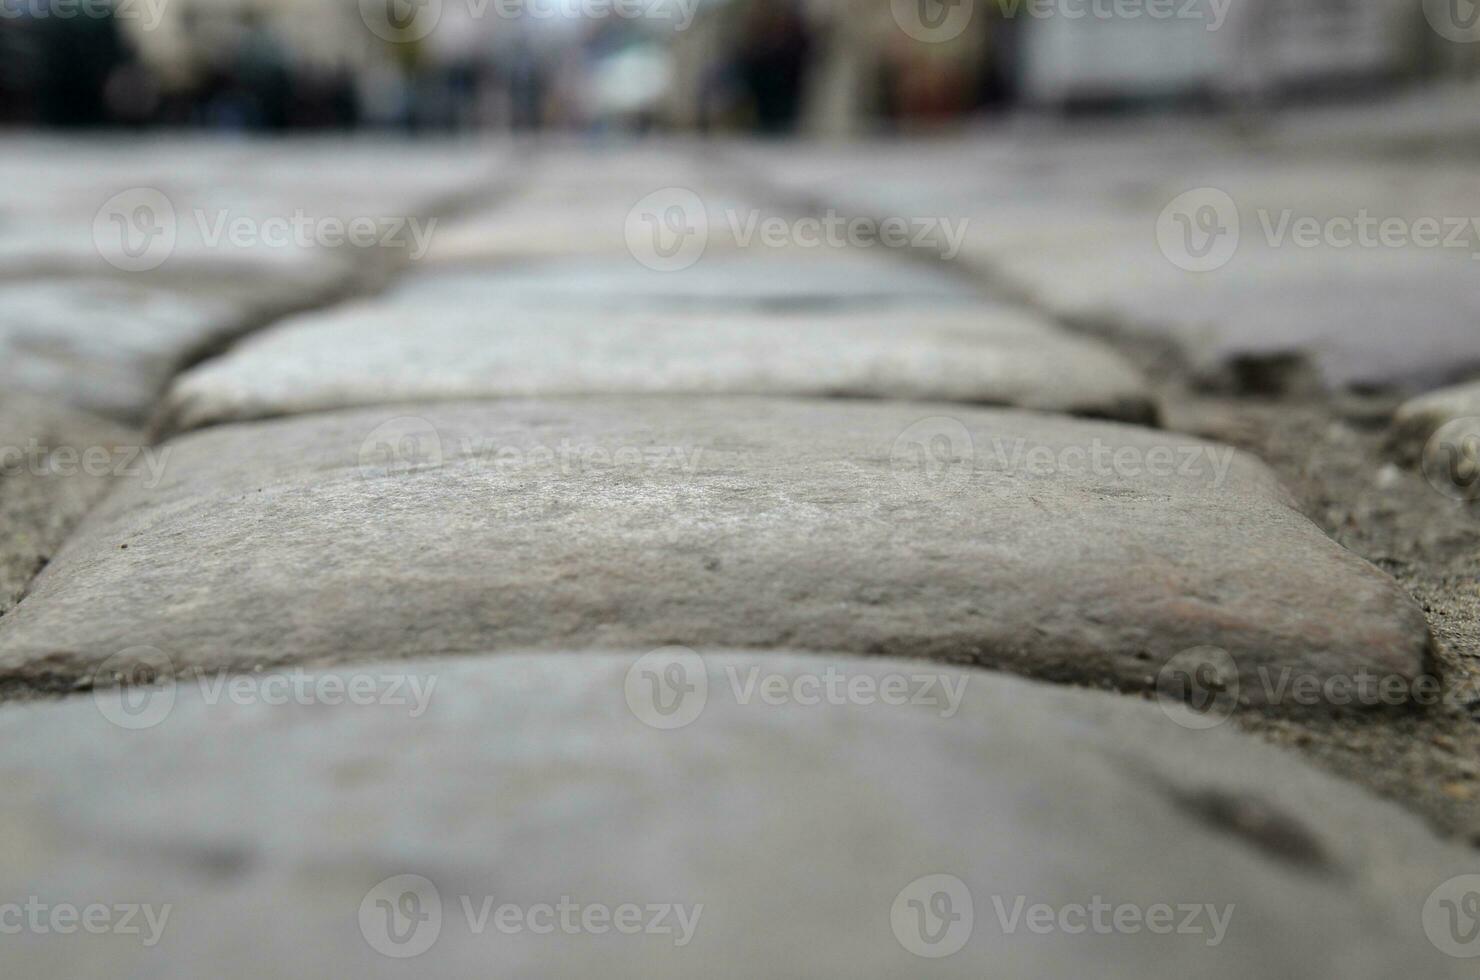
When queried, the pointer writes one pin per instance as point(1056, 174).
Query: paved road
point(781, 560)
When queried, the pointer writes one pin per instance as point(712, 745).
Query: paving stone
point(795, 837)
point(370, 354)
point(1089, 251)
point(554, 224)
point(46, 245)
point(1063, 548)
point(767, 279)
point(213, 221)
point(42, 495)
point(1419, 418)
point(1336, 309)
point(108, 346)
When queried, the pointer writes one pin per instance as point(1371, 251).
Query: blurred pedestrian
point(772, 61)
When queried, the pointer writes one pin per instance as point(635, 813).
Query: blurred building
point(1253, 49)
point(868, 69)
point(820, 67)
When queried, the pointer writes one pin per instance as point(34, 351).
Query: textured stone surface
point(766, 279)
point(1363, 315)
point(1030, 542)
point(372, 354)
point(1419, 418)
point(56, 187)
point(41, 502)
point(563, 223)
point(106, 345)
point(798, 828)
point(1336, 309)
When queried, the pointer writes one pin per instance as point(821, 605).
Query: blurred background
point(809, 67)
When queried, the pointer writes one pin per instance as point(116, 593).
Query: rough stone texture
point(528, 779)
point(1336, 309)
point(1419, 418)
point(277, 277)
point(108, 346)
point(1087, 250)
point(560, 224)
point(627, 523)
point(371, 354)
point(38, 508)
point(766, 279)
point(54, 188)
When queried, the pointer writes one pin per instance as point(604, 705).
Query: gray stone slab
point(394, 833)
point(1087, 249)
point(556, 224)
point(1418, 418)
point(716, 283)
point(1392, 318)
point(52, 469)
point(369, 353)
point(1067, 549)
point(108, 346)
